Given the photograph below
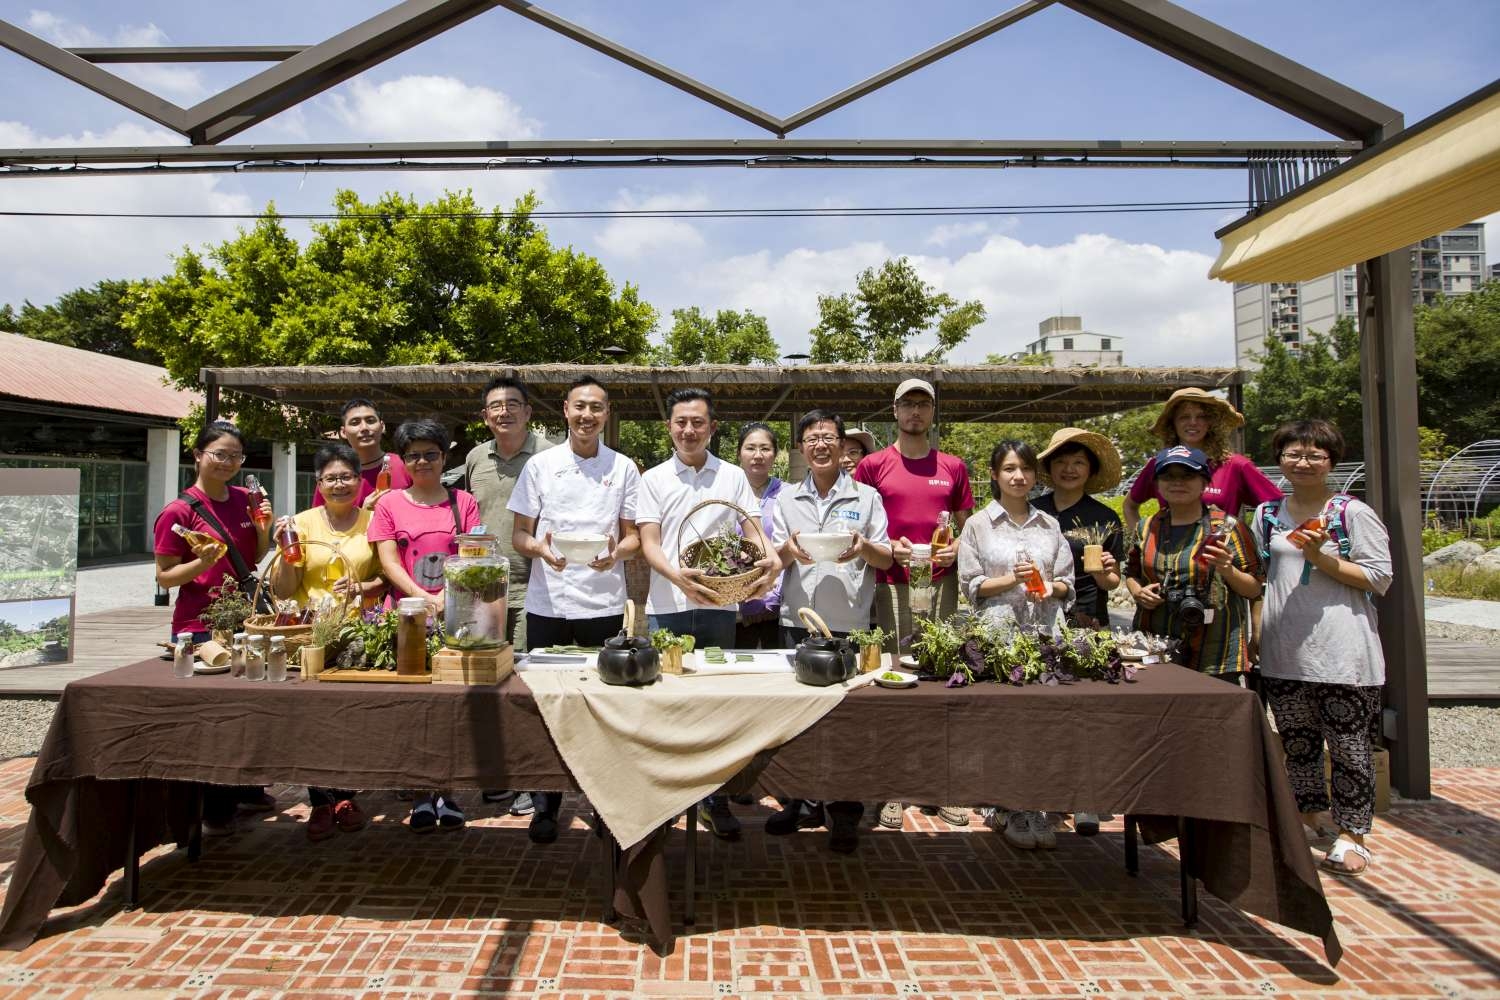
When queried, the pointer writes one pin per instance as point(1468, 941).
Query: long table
point(1174, 747)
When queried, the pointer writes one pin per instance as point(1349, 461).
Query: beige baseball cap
point(915, 385)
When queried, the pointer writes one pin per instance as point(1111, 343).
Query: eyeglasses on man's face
point(502, 405)
point(419, 457)
point(920, 403)
point(817, 439)
point(226, 457)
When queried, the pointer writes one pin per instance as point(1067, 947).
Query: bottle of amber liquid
point(411, 636)
point(257, 496)
point(1033, 580)
point(943, 534)
point(290, 543)
point(383, 477)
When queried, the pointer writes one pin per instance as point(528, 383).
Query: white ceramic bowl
point(824, 546)
point(578, 547)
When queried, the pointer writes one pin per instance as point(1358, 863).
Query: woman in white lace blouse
point(1002, 544)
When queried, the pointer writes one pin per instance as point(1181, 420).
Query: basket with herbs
point(726, 558)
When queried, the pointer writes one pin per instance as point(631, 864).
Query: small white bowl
point(824, 546)
point(910, 663)
point(906, 681)
point(578, 546)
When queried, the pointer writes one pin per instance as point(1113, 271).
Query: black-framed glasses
point(227, 457)
point(502, 405)
point(418, 457)
point(817, 439)
point(343, 480)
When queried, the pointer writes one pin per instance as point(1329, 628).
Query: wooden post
point(1393, 473)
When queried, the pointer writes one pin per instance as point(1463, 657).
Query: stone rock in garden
point(1460, 553)
point(1487, 563)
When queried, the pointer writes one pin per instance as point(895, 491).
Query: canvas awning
point(1440, 173)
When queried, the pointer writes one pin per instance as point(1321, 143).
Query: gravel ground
point(1463, 633)
point(23, 725)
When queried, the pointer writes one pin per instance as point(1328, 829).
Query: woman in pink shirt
point(1202, 420)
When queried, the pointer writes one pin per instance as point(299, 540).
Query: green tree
point(889, 308)
point(1458, 365)
point(1322, 380)
point(394, 282)
point(86, 318)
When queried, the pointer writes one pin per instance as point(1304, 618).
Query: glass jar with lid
point(475, 583)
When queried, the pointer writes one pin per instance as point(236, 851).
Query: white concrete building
point(1069, 343)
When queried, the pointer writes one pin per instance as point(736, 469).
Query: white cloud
point(40, 258)
point(176, 83)
point(632, 239)
point(1159, 300)
point(423, 108)
point(956, 232)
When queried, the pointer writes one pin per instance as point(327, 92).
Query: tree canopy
point(728, 338)
point(1321, 381)
point(86, 318)
point(389, 283)
point(889, 310)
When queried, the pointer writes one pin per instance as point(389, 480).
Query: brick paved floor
point(927, 912)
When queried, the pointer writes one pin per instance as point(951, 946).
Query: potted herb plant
point(870, 642)
point(672, 648)
point(1094, 539)
point(227, 611)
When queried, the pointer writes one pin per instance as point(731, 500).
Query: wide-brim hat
point(1215, 405)
point(1102, 448)
point(865, 438)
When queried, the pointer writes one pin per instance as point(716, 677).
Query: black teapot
point(821, 659)
point(629, 659)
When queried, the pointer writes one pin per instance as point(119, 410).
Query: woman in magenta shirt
point(1202, 420)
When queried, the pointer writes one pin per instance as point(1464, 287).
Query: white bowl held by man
point(825, 546)
point(578, 547)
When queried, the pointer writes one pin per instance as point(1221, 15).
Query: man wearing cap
point(1203, 421)
point(916, 483)
point(1190, 552)
point(1078, 463)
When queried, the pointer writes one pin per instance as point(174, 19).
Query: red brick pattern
point(926, 912)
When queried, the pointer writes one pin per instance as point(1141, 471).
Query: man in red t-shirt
point(361, 426)
point(917, 484)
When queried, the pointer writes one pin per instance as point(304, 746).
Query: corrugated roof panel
point(51, 373)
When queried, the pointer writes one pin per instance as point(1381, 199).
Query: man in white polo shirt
point(677, 601)
point(585, 486)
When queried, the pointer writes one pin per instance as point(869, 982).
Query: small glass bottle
point(255, 658)
point(289, 542)
point(1033, 580)
point(182, 655)
point(237, 656)
point(411, 636)
point(942, 535)
point(276, 660)
point(257, 496)
point(383, 477)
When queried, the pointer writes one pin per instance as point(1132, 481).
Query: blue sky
point(1056, 75)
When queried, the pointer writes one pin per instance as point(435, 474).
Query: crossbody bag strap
point(241, 570)
point(458, 528)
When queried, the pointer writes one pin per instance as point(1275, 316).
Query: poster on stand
point(38, 565)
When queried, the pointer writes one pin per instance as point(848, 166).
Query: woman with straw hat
point(1201, 420)
point(1078, 463)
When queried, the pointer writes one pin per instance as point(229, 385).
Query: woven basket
point(294, 636)
point(726, 589)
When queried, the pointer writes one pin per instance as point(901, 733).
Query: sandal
point(1334, 861)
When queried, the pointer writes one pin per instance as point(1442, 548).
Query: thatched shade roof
point(1014, 393)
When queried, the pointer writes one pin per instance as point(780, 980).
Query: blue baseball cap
point(1181, 454)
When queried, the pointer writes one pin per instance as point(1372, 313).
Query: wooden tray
point(373, 677)
point(478, 667)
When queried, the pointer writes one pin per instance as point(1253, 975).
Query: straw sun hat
point(1108, 476)
point(1218, 410)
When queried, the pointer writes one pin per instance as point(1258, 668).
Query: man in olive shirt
point(492, 470)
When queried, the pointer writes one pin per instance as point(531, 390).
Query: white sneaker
point(1041, 828)
point(1085, 824)
point(891, 815)
point(1018, 832)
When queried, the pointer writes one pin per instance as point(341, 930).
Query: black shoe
point(423, 816)
point(843, 837)
point(543, 828)
point(744, 799)
point(715, 815)
point(928, 810)
point(450, 815)
point(498, 798)
point(791, 819)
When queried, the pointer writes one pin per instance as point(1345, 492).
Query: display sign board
point(38, 565)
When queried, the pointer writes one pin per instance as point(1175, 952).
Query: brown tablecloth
point(1175, 743)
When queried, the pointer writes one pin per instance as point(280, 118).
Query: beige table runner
point(644, 755)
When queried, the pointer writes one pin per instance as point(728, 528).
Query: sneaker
point(793, 818)
point(954, 815)
point(349, 816)
point(1085, 824)
point(224, 829)
point(258, 803)
point(993, 818)
point(1018, 832)
point(715, 815)
point(423, 817)
point(1041, 828)
point(891, 814)
point(320, 824)
point(843, 836)
point(928, 810)
point(522, 804)
point(497, 798)
point(543, 828)
point(450, 814)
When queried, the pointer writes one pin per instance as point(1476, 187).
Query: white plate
point(908, 680)
point(910, 663)
point(199, 667)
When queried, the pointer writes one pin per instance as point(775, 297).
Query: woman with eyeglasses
point(341, 525)
point(1323, 556)
point(221, 511)
point(413, 531)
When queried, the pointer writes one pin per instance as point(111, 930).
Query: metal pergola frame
point(299, 72)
